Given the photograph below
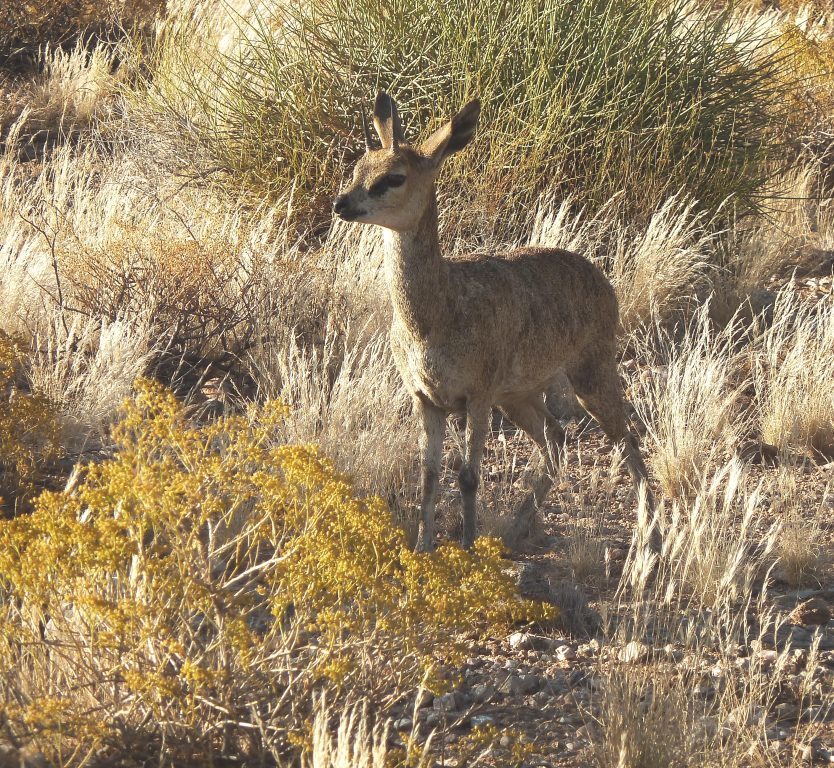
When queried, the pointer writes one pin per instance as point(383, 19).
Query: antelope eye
point(386, 182)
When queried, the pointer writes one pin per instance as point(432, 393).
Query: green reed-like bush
point(594, 97)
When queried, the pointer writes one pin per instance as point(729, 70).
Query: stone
point(520, 685)
point(446, 703)
point(758, 452)
point(403, 724)
point(815, 714)
point(634, 652)
point(527, 642)
point(556, 683)
point(433, 719)
point(424, 698)
point(813, 612)
point(672, 654)
point(565, 653)
point(482, 721)
point(483, 693)
point(591, 648)
point(786, 712)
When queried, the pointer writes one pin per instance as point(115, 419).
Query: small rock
point(565, 653)
point(758, 452)
point(634, 652)
point(483, 693)
point(505, 741)
point(424, 698)
point(767, 658)
point(556, 683)
point(482, 721)
point(403, 724)
point(519, 685)
point(814, 714)
point(517, 640)
point(813, 612)
point(433, 719)
point(446, 703)
point(590, 648)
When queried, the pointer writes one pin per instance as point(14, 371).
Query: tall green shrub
point(591, 97)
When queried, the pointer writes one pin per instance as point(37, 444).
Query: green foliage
point(207, 579)
point(594, 98)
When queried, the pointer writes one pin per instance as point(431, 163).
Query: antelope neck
point(417, 274)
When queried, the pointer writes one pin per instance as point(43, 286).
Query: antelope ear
point(387, 121)
point(454, 135)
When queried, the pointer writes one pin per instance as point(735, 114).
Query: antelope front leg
point(477, 423)
point(431, 451)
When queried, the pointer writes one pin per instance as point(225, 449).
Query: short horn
point(365, 130)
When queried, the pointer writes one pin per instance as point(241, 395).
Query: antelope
point(484, 332)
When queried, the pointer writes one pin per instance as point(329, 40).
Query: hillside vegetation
point(208, 462)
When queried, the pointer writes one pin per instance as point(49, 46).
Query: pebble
point(634, 652)
point(445, 703)
point(403, 724)
point(565, 653)
point(483, 693)
point(786, 711)
point(481, 721)
point(519, 685)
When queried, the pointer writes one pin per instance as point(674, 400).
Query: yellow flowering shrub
point(205, 581)
point(28, 432)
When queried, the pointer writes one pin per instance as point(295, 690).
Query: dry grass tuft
point(801, 555)
point(794, 377)
point(71, 89)
point(346, 397)
point(688, 401)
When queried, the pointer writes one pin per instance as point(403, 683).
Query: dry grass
point(802, 558)
point(87, 371)
point(688, 400)
point(69, 92)
point(347, 398)
point(589, 506)
point(678, 691)
point(794, 377)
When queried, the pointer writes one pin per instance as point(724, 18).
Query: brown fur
point(488, 331)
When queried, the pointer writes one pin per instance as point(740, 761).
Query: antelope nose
point(340, 203)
